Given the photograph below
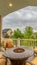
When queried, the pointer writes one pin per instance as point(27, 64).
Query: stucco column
point(0, 27)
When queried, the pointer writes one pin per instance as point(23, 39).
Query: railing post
point(18, 42)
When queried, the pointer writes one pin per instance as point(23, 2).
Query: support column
point(0, 28)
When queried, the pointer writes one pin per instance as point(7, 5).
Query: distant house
point(6, 33)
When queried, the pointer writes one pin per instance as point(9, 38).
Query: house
point(6, 33)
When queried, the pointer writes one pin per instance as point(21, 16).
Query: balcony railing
point(25, 42)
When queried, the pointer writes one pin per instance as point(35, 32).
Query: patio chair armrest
point(2, 57)
point(30, 62)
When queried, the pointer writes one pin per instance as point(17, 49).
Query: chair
point(7, 43)
point(2, 59)
point(35, 51)
point(29, 63)
point(32, 62)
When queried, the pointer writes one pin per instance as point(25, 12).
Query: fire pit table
point(18, 55)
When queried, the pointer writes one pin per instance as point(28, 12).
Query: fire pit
point(18, 55)
point(18, 50)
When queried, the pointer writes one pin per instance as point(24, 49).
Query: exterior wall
point(0, 27)
point(9, 32)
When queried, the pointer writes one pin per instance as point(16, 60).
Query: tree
point(17, 34)
point(28, 32)
point(33, 36)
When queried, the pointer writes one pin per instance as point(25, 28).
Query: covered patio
point(6, 7)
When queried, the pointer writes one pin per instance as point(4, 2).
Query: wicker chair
point(29, 63)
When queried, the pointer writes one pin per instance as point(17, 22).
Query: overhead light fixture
point(10, 4)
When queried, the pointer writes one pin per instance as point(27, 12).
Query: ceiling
point(17, 4)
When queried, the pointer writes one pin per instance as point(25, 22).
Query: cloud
point(21, 18)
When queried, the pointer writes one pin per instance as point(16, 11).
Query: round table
point(18, 55)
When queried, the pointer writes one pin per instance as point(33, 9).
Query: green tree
point(28, 32)
point(17, 34)
point(33, 36)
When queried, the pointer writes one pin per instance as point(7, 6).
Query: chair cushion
point(34, 61)
point(2, 61)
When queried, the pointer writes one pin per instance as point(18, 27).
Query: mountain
point(21, 18)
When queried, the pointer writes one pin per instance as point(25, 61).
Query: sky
point(21, 18)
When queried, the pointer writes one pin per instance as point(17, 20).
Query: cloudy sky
point(21, 18)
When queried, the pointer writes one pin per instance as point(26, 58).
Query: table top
point(14, 55)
